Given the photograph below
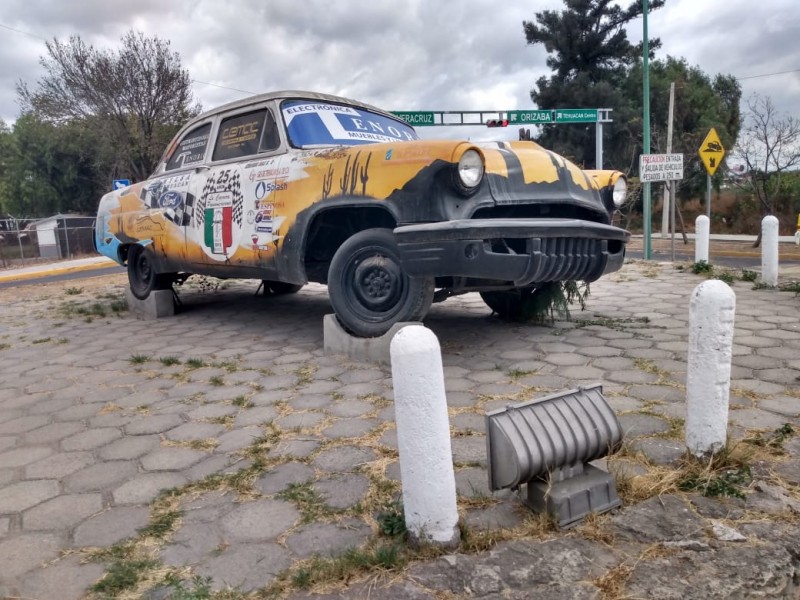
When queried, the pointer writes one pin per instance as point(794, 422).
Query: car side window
point(271, 139)
point(191, 150)
point(239, 136)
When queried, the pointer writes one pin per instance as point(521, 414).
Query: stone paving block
point(296, 448)
point(171, 459)
point(304, 420)
point(260, 520)
point(25, 494)
point(281, 476)
point(255, 416)
point(226, 393)
point(308, 401)
point(636, 424)
point(20, 457)
point(62, 512)
point(66, 579)
point(7, 442)
point(632, 376)
point(660, 451)
point(21, 553)
point(472, 482)
point(754, 418)
point(89, 440)
point(23, 424)
point(499, 516)
point(246, 566)
point(764, 388)
point(59, 465)
point(341, 459)
point(788, 406)
point(354, 391)
point(144, 488)
point(194, 431)
point(469, 422)
point(657, 393)
point(78, 412)
point(328, 539)
point(663, 518)
point(238, 439)
point(469, 449)
point(191, 545)
point(342, 491)
point(582, 373)
point(350, 408)
point(100, 476)
point(129, 448)
point(350, 428)
point(111, 526)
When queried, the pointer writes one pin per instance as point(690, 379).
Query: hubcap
point(377, 283)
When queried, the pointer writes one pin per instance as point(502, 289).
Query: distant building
point(62, 236)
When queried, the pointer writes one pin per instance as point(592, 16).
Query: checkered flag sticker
point(225, 181)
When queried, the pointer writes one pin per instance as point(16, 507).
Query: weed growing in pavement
point(311, 505)
point(41, 340)
point(5, 346)
point(199, 588)
point(122, 575)
point(216, 380)
point(702, 266)
point(242, 402)
point(169, 361)
point(773, 440)
point(392, 521)
point(620, 324)
point(726, 277)
point(74, 291)
point(792, 286)
point(138, 359)
point(195, 363)
point(519, 373)
point(748, 275)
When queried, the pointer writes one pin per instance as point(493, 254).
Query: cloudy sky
point(410, 55)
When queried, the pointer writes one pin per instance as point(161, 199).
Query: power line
point(224, 87)
point(769, 74)
point(33, 35)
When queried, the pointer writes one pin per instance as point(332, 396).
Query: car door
point(228, 233)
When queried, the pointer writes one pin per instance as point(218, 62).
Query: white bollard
point(708, 376)
point(769, 250)
point(702, 228)
point(423, 437)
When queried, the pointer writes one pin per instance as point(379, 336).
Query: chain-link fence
point(59, 237)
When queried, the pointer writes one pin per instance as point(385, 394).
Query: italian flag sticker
point(218, 232)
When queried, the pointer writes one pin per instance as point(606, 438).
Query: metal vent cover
point(528, 440)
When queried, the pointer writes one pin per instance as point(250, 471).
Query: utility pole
point(668, 184)
point(646, 200)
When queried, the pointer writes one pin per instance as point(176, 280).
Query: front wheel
point(519, 304)
point(369, 290)
point(142, 275)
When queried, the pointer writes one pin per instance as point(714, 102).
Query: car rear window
point(239, 136)
point(191, 149)
point(324, 124)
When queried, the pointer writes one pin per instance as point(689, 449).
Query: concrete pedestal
point(160, 303)
point(376, 349)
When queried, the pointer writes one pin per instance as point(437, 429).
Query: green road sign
point(415, 118)
point(576, 115)
point(524, 117)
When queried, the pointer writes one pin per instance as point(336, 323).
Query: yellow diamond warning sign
point(711, 152)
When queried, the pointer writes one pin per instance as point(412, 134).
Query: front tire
point(519, 304)
point(142, 275)
point(369, 290)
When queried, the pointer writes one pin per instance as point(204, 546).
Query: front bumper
point(521, 251)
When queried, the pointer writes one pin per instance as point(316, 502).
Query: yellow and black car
point(292, 187)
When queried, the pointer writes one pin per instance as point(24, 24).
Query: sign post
point(711, 153)
point(662, 167)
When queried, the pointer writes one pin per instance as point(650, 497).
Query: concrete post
point(769, 250)
point(702, 227)
point(423, 437)
point(708, 377)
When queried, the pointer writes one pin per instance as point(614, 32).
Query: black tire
point(513, 305)
point(279, 288)
point(142, 275)
point(369, 290)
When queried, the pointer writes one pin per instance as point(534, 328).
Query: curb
point(24, 276)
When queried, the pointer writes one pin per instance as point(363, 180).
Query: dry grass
point(206, 445)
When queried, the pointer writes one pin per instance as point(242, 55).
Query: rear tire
point(279, 288)
point(142, 276)
point(369, 290)
point(519, 304)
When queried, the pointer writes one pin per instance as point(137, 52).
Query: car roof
point(283, 95)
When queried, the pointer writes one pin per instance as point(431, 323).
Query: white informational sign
point(660, 167)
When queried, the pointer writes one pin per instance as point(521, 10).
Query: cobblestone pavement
point(274, 453)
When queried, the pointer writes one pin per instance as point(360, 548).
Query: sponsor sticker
point(170, 200)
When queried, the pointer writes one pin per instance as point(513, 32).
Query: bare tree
point(138, 95)
point(769, 145)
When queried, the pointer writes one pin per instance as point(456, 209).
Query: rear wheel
point(279, 288)
point(518, 304)
point(142, 275)
point(369, 290)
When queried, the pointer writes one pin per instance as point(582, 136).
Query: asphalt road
point(64, 276)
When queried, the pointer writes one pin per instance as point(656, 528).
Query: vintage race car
point(293, 187)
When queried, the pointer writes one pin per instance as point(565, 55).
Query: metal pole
point(598, 152)
point(19, 241)
point(668, 185)
point(708, 197)
point(646, 133)
point(672, 186)
point(66, 237)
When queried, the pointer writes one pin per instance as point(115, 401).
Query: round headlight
point(470, 169)
point(620, 192)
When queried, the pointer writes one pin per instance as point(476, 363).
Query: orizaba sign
point(660, 167)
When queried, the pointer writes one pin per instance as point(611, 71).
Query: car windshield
point(312, 124)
